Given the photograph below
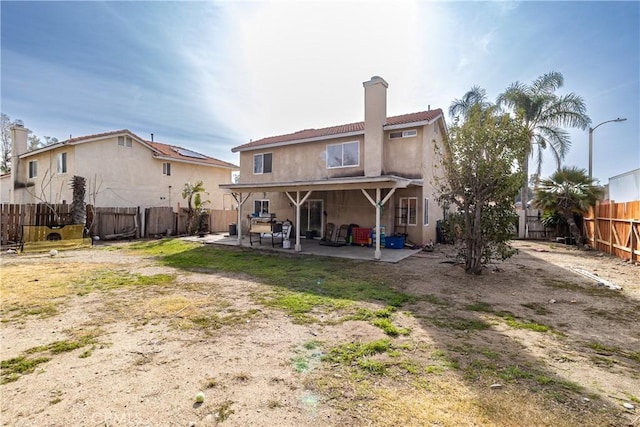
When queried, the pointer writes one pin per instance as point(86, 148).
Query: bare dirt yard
point(127, 334)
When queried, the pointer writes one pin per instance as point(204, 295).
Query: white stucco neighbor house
point(375, 173)
point(121, 169)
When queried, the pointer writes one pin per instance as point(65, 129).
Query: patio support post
point(377, 254)
point(239, 224)
point(378, 204)
point(298, 203)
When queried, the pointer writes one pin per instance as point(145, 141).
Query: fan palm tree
point(544, 114)
point(568, 191)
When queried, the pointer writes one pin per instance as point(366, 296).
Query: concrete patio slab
point(310, 247)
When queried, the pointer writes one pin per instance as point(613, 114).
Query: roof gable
point(340, 130)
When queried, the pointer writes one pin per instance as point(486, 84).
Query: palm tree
point(191, 192)
point(544, 114)
point(462, 107)
point(568, 191)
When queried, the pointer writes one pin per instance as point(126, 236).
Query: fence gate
point(159, 221)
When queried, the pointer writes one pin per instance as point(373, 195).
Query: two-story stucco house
point(121, 169)
point(373, 173)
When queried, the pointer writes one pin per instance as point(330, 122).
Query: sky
point(210, 76)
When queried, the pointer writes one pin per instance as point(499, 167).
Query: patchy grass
point(224, 411)
point(537, 308)
point(13, 369)
point(526, 324)
point(107, 280)
point(461, 323)
point(480, 306)
point(40, 290)
point(332, 278)
point(587, 290)
point(389, 328)
point(347, 353)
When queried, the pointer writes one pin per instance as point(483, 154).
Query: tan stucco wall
point(123, 177)
point(411, 157)
point(297, 162)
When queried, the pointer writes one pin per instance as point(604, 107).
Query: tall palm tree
point(544, 114)
point(462, 107)
point(568, 191)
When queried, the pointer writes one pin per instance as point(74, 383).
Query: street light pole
point(591, 129)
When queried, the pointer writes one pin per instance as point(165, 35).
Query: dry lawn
point(115, 336)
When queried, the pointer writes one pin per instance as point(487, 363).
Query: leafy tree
point(544, 114)
point(33, 141)
point(195, 206)
point(5, 161)
point(50, 140)
point(569, 191)
point(481, 159)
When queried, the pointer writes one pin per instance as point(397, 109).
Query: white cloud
point(304, 63)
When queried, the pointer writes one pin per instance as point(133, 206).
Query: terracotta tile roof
point(335, 131)
point(165, 150)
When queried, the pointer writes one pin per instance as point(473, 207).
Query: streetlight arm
point(608, 121)
point(591, 141)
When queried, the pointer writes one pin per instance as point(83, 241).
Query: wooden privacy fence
point(105, 222)
point(113, 223)
point(164, 221)
point(615, 228)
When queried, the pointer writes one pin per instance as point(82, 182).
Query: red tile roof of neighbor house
point(335, 131)
point(164, 150)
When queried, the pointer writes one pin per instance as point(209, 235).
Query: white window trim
point(166, 168)
point(262, 203)
point(342, 144)
point(35, 167)
point(405, 134)
point(404, 220)
point(261, 155)
point(61, 167)
point(125, 141)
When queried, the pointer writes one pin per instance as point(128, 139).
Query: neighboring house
point(340, 174)
point(624, 187)
point(121, 169)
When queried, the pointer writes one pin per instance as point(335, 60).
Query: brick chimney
point(18, 146)
point(375, 116)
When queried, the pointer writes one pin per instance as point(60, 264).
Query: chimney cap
point(375, 80)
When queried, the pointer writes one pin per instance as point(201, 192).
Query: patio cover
point(299, 191)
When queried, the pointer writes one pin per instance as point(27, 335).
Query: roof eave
point(355, 183)
point(298, 141)
point(194, 162)
point(412, 124)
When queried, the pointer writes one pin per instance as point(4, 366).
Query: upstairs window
point(166, 169)
point(62, 163)
point(403, 134)
point(125, 141)
point(262, 163)
point(33, 169)
point(343, 155)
